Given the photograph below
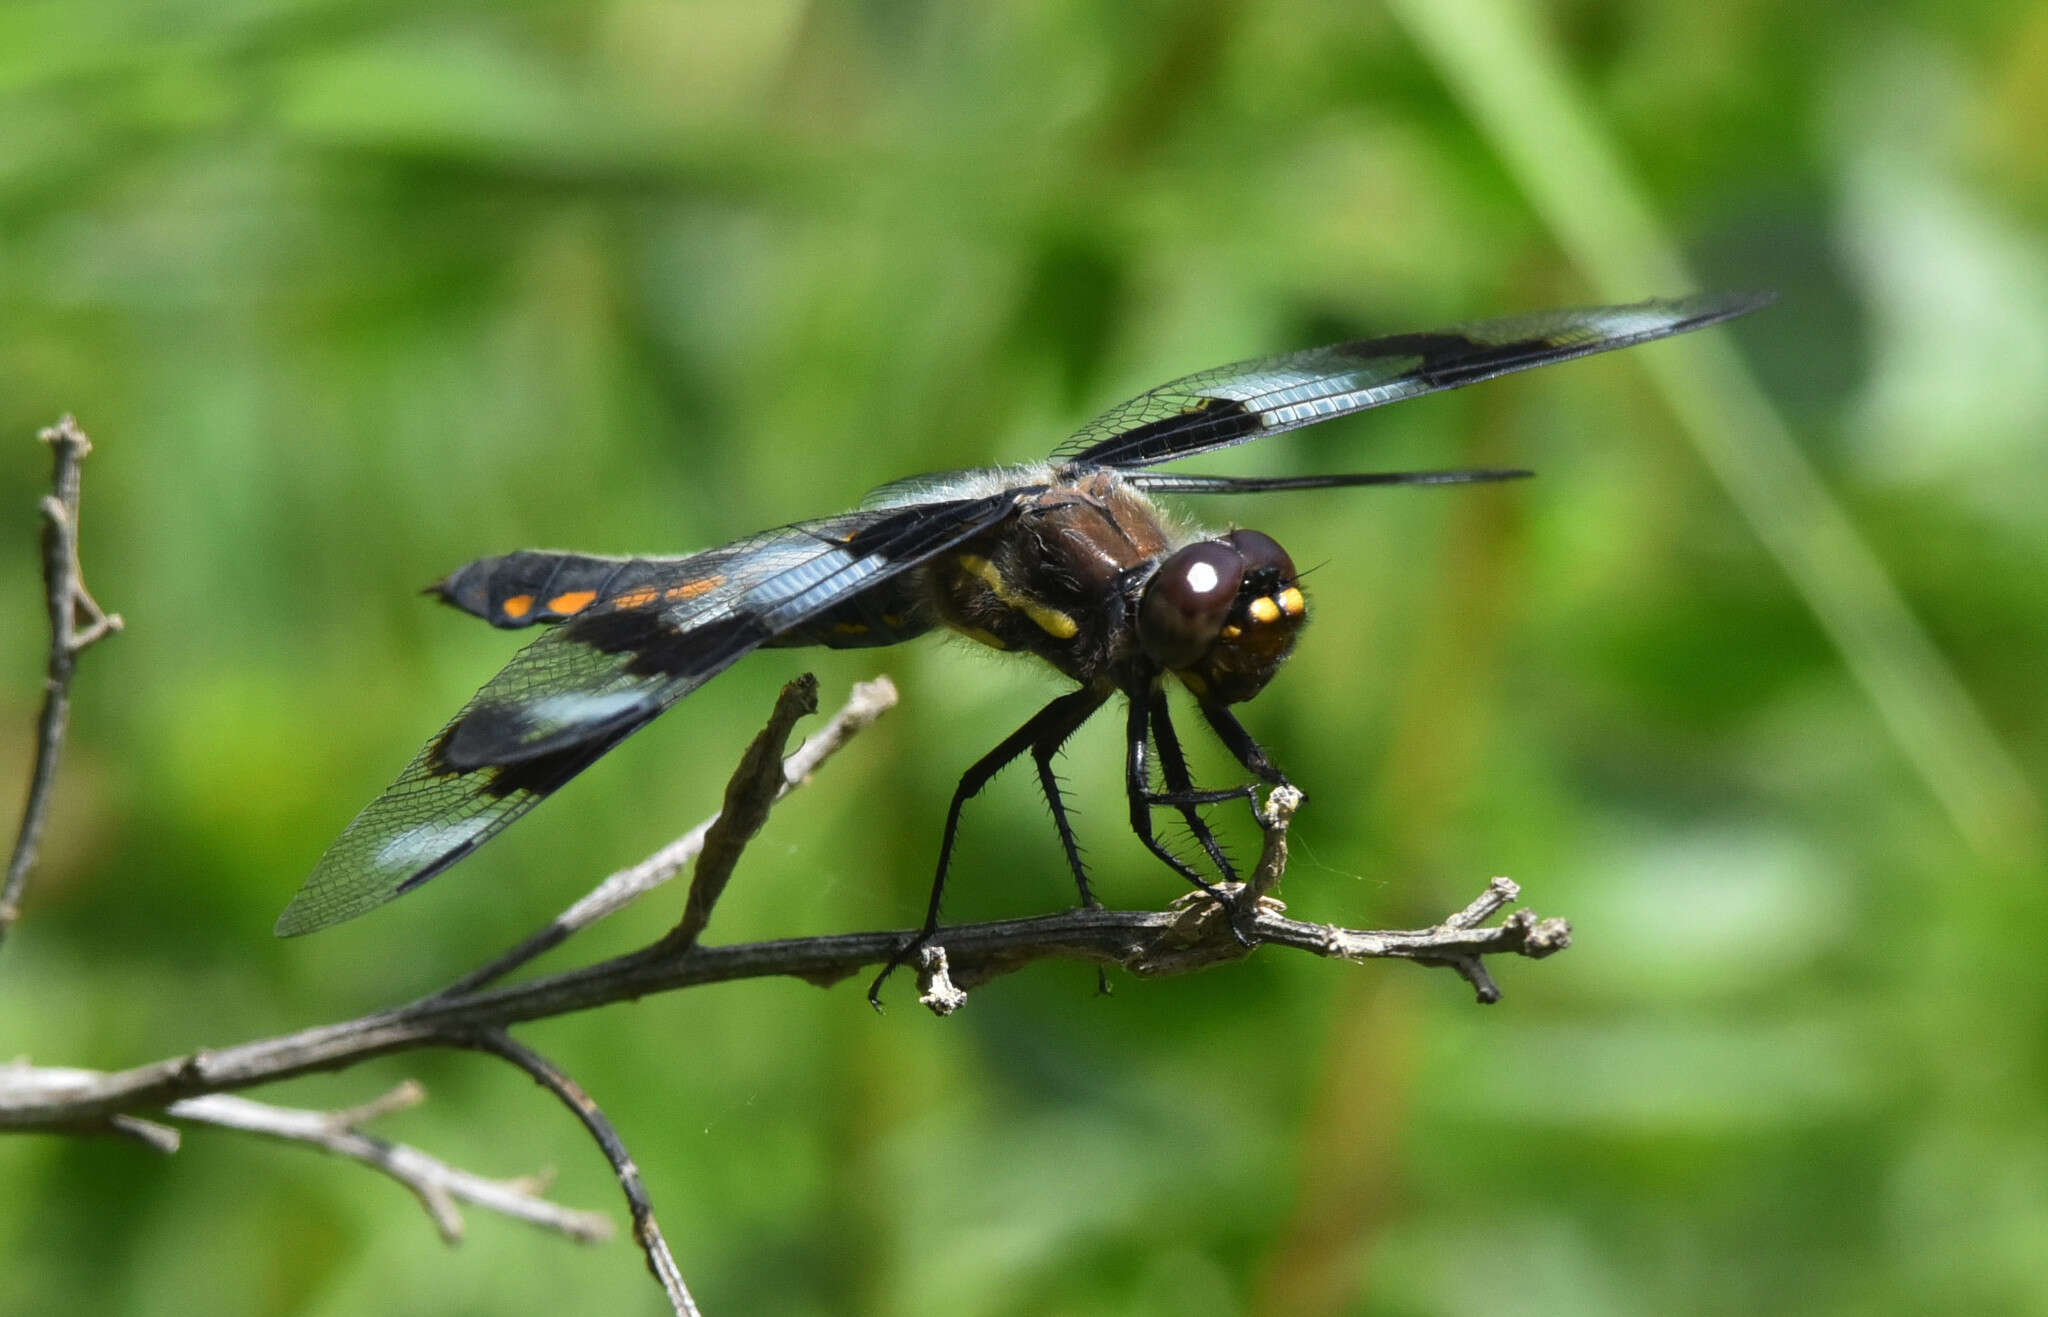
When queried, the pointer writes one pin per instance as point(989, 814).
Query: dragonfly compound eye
point(1187, 602)
point(1267, 567)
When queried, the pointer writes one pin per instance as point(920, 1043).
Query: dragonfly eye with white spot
point(1187, 602)
point(1267, 568)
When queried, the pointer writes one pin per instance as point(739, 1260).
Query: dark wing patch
point(541, 585)
point(577, 691)
point(1231, 404)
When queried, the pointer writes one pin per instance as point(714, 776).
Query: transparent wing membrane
point(1232, 404)
point(580, 689)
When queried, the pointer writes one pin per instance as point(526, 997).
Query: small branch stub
point(1274, 819)
point(935, 988)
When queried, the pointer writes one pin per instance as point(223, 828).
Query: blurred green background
point(350, 292)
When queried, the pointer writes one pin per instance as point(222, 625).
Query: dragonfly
point(1069, 559)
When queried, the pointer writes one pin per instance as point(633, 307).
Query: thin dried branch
point(1185, 937)
point(660, 1261)
point(868, 702)
point(76, 622)
point(1274, 819)
point(439, 1186)
point(755, 787)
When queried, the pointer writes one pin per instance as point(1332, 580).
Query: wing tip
point(1715, 307)
point(305, 915)
point(293, 923)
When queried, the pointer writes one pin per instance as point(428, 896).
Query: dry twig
point(440, 1188)
point(1185, 937)
point(550, 1077)
point(76, 622)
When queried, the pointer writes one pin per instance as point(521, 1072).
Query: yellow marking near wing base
point(1050, 620)
point(639, 597)
point(571, 601)
point(518, 606)
point(851, 628)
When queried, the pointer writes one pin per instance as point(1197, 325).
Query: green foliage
point(351, 292)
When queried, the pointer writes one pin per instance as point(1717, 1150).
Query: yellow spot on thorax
point(571, 601)
point(518, 606)
point(638, 597)
point(1050, 620)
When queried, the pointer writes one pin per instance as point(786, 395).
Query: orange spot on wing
point(518, 606)
point(571, 601)
point(691, 589)
point(637, 598)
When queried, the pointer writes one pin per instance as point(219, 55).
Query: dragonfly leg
point(1042, 752)
point(1249, 752)
point(1138, 786)
point(1180, 788)
point(1043, 734)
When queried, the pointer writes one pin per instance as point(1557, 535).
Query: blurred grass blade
point(1508, 75)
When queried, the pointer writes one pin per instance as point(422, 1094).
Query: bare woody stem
point(580, 1104)
point(76, 621)
point(1149, 943)
point(751, 793)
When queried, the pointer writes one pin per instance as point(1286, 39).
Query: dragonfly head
point(1222, 614)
